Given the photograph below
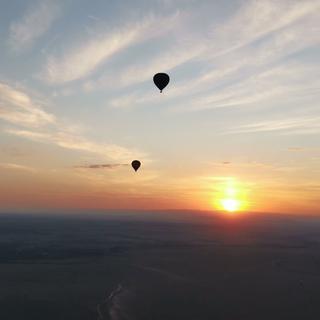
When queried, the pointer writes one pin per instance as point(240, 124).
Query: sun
point(230, 196)
point(230, 205)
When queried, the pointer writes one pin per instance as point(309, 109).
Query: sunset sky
point(239, 123)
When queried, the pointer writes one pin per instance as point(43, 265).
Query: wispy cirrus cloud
point(307, 125)
point(175, 57)
point(260, 35)
point(83, 58)
point(17, 107)
point(76, 142)
point(288, 82)
point(256, 20)
point(35, 22)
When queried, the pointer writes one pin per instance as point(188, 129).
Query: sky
point(237, 127)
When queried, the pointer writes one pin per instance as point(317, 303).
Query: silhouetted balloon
point(135, 164)
point(161, 80)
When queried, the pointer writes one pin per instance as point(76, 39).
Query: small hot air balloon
point(161, 80)
point(135, 164)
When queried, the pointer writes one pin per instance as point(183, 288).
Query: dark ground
point(131, 266)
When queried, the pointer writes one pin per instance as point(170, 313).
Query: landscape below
point(169, 265)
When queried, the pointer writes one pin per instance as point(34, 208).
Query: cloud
point(258, 19)
point(307, 125)
point(77, 142)
point(233, 59)
point(102, 166)
point(289, 82)
point(165, 61)
point(36, 21)
point(83, 58)
point(18, 108)
point(255, 48)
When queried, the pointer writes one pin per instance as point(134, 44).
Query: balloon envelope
point(161, 80)
point(135, 164)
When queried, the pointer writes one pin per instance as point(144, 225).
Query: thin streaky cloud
point(77, 142)
point(267, 86)
point(243, 61)
point(102, 166)
point(165, 62)
point(258, 19)
point(35, 22)
point(200, 47)
point(291, 126)
point(19, 108)
point(252, 60)
point(82, 59)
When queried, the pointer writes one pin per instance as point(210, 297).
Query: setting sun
point(230, 205)
point(230, 195)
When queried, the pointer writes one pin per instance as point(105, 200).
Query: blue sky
point(243, 102)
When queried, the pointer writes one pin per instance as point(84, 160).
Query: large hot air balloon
point(135, 164)
point(161, 80)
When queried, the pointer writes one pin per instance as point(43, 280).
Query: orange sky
point(72, 188)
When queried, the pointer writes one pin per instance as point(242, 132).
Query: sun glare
point(230, 205)
point(230, 196)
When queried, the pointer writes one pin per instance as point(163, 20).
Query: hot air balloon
point(161, 80)
point(135, 164)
